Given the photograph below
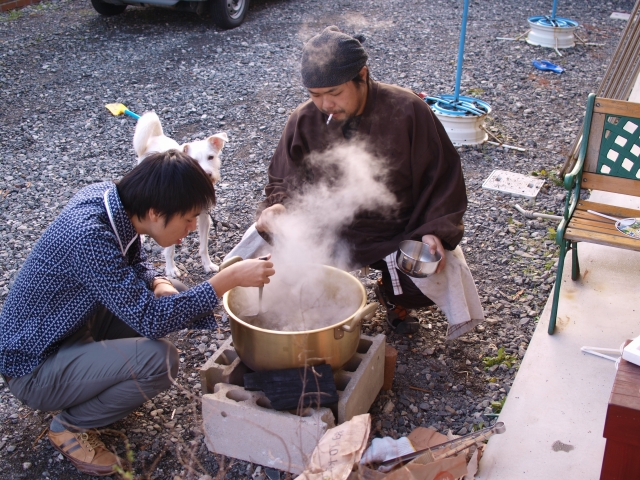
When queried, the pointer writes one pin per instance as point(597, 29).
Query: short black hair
point(170, 182)
point(359, 81)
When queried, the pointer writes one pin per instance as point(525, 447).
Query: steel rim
point(558, 22)
point(235, 8)
point(465, 106)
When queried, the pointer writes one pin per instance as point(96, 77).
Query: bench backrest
point(612, 161)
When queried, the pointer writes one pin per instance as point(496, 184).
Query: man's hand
point(265, 221)
point(163, 288)
point(435, 246)
point(247, 273)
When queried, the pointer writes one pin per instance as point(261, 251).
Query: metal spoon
point(622, 222)
point(260, 289)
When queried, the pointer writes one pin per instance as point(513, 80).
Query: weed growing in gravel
point(12, 15)
point(551, 234)
point(123, 470)
point(500, 358)
point(552, 176)
point(475, 92)
point(497, 405)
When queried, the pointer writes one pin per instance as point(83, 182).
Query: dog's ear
point(185, 148)
point(218, 140)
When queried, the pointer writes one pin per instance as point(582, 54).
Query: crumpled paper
point(339, 449)
point(423, 467)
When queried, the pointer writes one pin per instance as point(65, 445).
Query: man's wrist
point(158, 280)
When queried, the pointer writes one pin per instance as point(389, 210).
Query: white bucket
point(552, 36)
point(464, 129)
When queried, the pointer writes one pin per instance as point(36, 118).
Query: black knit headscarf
point(332, 58)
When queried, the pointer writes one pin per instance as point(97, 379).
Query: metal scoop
point(620, 222)
point(230, 262)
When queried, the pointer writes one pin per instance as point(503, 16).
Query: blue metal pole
point(553, 11)
point(463, 33)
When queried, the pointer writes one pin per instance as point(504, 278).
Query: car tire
point(107, 9)
point(227, 13)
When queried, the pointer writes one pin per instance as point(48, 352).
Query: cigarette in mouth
point(329, 119)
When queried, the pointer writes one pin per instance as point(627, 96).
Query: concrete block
point(361, 378)
point(240, 424)
point(224, 366)
point(358, 382)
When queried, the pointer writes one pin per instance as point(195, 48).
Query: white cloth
point(252, 245)
point(453, 290)
point(386, 448)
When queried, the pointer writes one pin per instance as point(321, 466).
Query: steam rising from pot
point(347, 180)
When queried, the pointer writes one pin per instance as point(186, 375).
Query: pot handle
point(365, 313)
point(230, 261)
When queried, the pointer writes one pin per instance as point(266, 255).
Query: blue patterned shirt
point(89, 256)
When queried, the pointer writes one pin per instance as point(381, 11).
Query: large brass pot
point(262, 349)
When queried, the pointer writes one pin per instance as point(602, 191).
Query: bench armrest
point(573, 179)
point(575, 174)
point(570, 178)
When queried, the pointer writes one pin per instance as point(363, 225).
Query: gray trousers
point(100, 374)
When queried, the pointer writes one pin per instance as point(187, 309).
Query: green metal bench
point(609, 161)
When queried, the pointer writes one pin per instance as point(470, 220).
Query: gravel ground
point(60, 63)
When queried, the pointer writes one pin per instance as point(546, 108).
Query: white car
point(225, 13)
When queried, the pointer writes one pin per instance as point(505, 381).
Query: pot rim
point(300, 332)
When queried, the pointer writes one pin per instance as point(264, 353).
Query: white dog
point(149, 138)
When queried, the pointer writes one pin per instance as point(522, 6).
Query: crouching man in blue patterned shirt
point(81, 330)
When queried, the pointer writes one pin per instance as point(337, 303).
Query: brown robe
point(425, 172)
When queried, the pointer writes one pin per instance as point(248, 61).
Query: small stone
point(462, 431)
point(402, 369)
point(272, 474)
point(388, 408)
point(428, 351)
point(11, 448)
point(26, 465)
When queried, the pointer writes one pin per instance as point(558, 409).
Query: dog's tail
point(148, 126)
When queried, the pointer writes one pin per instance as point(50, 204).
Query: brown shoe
point(86, 451)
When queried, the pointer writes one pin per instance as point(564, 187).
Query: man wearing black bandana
point(396, 125)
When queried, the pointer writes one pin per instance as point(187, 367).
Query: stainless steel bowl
point(415, 259)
